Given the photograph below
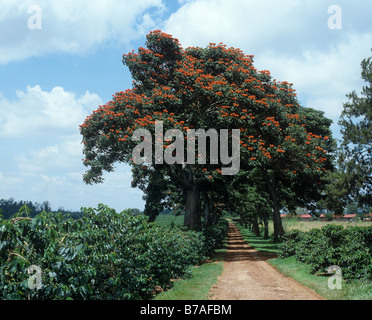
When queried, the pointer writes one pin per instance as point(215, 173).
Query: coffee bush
point(103, 255)
point(349, 248)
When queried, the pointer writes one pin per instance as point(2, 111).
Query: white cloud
point(73, 26)
point(38, 112)
point(39, 131)
point(257, 26)
point(323, 78)
point(290, 38)
point(254, 24)
point(62, 157)
point(8, 182)
point(55, 173)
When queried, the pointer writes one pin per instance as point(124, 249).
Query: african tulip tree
point(291, 174)
point(210, 88)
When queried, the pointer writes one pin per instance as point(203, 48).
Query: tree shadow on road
point(238, 248)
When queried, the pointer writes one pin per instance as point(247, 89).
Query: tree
point(46, 206)
point(251, 205)
point(210, 89)
point(156, 187)
point(11, 207)
point(338, 184)
point(292, 160)
point(356, 148)
point(309, 185)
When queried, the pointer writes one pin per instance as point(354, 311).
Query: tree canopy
point(356, 149)
point(212, 89)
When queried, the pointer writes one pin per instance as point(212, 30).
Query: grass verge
point(199, 284)
point(265, 246)
point(350, 289)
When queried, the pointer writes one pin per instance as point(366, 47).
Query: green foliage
point(349, 248)
point(169, 220)
point(103, 255)
point(355, 160)
point(9, 206)
point(214, 235)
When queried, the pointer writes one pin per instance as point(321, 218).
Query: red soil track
point(248, 276)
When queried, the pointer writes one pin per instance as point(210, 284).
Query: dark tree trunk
point(266, 228)
point(207, 220)
point(186, 177)
point(256, 228)
point(192, 214)
point(277, 220)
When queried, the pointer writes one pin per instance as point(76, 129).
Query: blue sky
point(52, 78)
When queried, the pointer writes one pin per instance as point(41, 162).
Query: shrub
point(103, 255)
point(214, 235)
point(349, 248)
point(289, 241)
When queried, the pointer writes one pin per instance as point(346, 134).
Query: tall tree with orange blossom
point(203, 88)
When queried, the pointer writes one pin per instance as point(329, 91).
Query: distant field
point(288, 223)
point(292, 223)
point(167, 219)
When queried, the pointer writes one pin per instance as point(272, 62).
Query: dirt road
point(247, 276)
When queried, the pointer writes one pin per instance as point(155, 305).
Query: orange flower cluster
point(293, 116)
point(217, 83)
point(271, 121)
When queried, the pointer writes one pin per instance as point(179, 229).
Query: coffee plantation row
point(349, 248)
point(103, 255)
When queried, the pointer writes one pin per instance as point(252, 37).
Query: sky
point(60, 60)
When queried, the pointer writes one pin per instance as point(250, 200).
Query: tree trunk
point(256, 228)
point(207, 220)
point(266, 228)
point(192, 214)
point(243, 222)
point(277, 220)
point(186, 177)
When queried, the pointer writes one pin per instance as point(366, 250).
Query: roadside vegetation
point(102, 255)
point(198, 283)
point(358, 287)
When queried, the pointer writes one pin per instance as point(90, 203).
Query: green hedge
point(349, 248)
point(103, 255)
point(214, 235)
